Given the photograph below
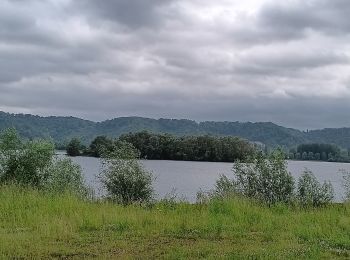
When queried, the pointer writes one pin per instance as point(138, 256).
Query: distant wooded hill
point(63, 129)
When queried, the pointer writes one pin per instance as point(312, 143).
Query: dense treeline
point(318, 148)
point(188, 148)
point(319, 152)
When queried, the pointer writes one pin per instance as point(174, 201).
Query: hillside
point(59, 129)
point(338, 136)
point(62, 129)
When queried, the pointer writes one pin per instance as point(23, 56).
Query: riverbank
point(37, 225)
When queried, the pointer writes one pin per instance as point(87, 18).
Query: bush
point(265, 179)
point(74, 147)
point(311, 193)
point(224, 187)
point(124, 178)
point(65, 176)
point(99, 145)
point(23, 163)
point(32, 164)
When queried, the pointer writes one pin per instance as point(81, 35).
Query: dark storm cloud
point(286, 62)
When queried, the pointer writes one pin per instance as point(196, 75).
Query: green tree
point(33, 164)
point(191, 148)
point(311, 193)
point(124, 178)
point(304, 156)
point(310, 156)
point(330, 157)
point(100, 144)
point(264, 179)
point(23, 163)
point(317, 156)
point(224, 187)
point(74, 147)
point(65, 176)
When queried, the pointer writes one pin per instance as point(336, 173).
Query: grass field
point(36, 225)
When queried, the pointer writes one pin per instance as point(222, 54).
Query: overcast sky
point(255, 60)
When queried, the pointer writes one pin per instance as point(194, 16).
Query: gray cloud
point(132, 13)
point(229, 60)
point(321, 15)
point(293, 20)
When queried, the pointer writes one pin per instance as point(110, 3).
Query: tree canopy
point(188, 148)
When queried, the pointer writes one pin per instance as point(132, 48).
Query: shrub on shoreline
point(267, 179)
point(124, 178)
point(311, 193)
point(65, 176)
point(21, 162)
point(33, 164)
point(263, 179)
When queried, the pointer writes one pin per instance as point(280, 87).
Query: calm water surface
point(187, 178)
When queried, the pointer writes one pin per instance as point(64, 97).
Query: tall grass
point(34, 224)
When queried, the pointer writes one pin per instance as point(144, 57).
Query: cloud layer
point(286, 62)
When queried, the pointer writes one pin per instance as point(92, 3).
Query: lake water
point(187, 178)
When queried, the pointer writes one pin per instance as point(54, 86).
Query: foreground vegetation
point(36, 225)
point(46, 210)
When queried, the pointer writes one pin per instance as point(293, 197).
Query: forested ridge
point(63, 129)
